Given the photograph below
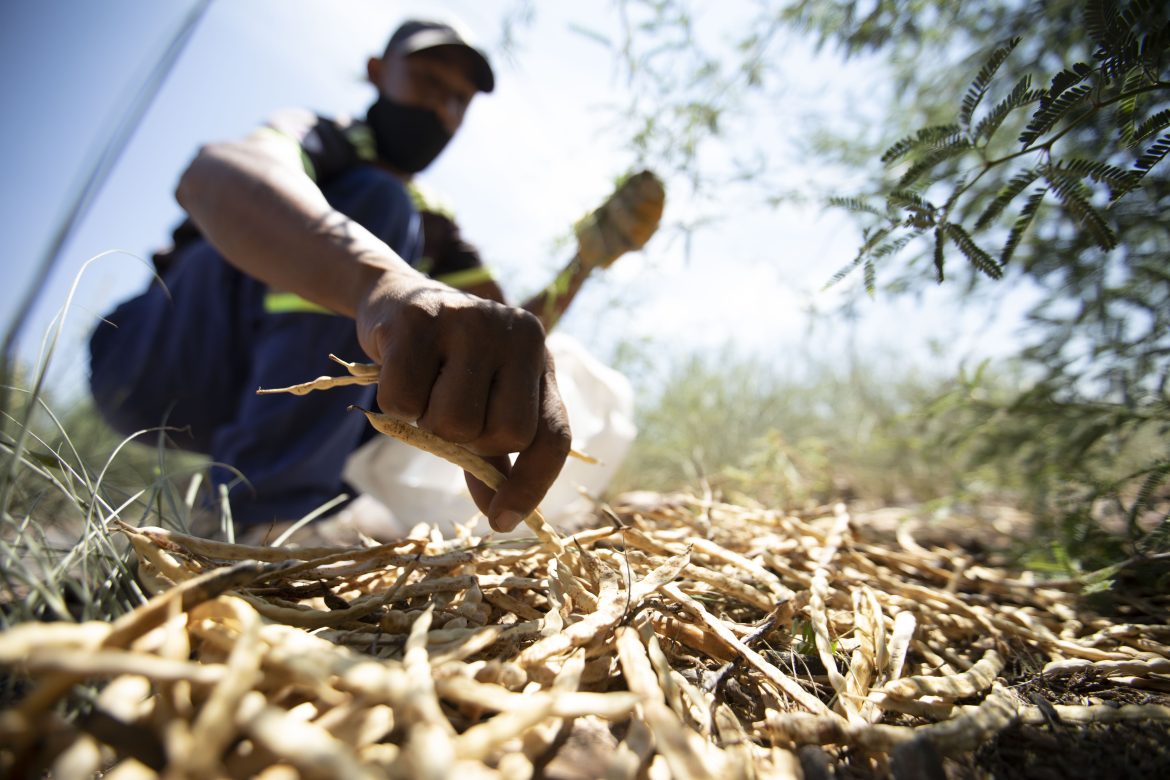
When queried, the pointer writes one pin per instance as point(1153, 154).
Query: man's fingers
point(536, 467)
point(514, 406)
point(458, 402)
point(409, 371)
point(513, 410)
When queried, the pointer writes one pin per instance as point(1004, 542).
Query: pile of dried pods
point(691, 640)
point(685, 639)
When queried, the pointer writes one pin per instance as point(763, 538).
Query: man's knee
point(166, 357)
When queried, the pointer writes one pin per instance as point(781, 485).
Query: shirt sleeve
point(447, 258)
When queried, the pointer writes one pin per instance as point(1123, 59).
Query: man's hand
point(474, 372)
point(623, 223)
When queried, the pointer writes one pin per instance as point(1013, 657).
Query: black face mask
point(407, 137)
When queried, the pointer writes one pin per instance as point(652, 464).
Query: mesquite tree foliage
point(1053, 163)
point(962, 178)
point(1024, 143)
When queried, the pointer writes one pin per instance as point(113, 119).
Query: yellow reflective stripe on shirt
point(466, 278)
point(288, 303)
point(425, 265)
point(425, 199)
point(362, 140)
point(306, 160)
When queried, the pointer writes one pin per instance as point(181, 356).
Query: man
point(307, 220)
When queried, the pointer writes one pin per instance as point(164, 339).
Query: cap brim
point(424, 40)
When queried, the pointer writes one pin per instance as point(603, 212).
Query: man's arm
point(624, 222)
point(550, 303)
point(468, 369)
point(253, 202)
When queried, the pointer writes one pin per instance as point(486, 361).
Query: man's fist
point(473, 372)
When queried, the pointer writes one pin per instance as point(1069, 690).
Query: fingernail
point(507, 520)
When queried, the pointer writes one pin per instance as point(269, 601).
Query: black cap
point(417, 35)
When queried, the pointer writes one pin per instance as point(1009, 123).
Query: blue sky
point(531, 159)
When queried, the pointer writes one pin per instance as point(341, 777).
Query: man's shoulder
point(428, 199)
point(329, 145)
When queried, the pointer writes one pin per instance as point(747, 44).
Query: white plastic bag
point(419, 488)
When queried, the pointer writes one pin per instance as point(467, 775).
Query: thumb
point(483, 494)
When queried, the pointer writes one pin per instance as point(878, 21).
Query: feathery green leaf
point(1021, 95)
point(1119, 49)
point(1153, 48)
point(1142, 15)
point(844, 271)
point(1153, 155)
point(856, 205)
point(874, 239)
point(890, 248)
point(1157, 122)
point(1120, 181)
point(982, 81)
point(908, 199)
point(1074, 196)
point(1159, 538)
point(1068, 78)
point(932, 159)
point(1023, 221)
point(1051, 112)
point(939, 259)
point(1131, 14)
point(863, 254)
point(1111, 29)
point(1126, 114)
point(927, 136)
point(1099, 20)
point(982, 261)
point(1006, 195)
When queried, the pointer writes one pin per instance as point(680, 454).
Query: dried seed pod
point(957, 686)
point(464, 459)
